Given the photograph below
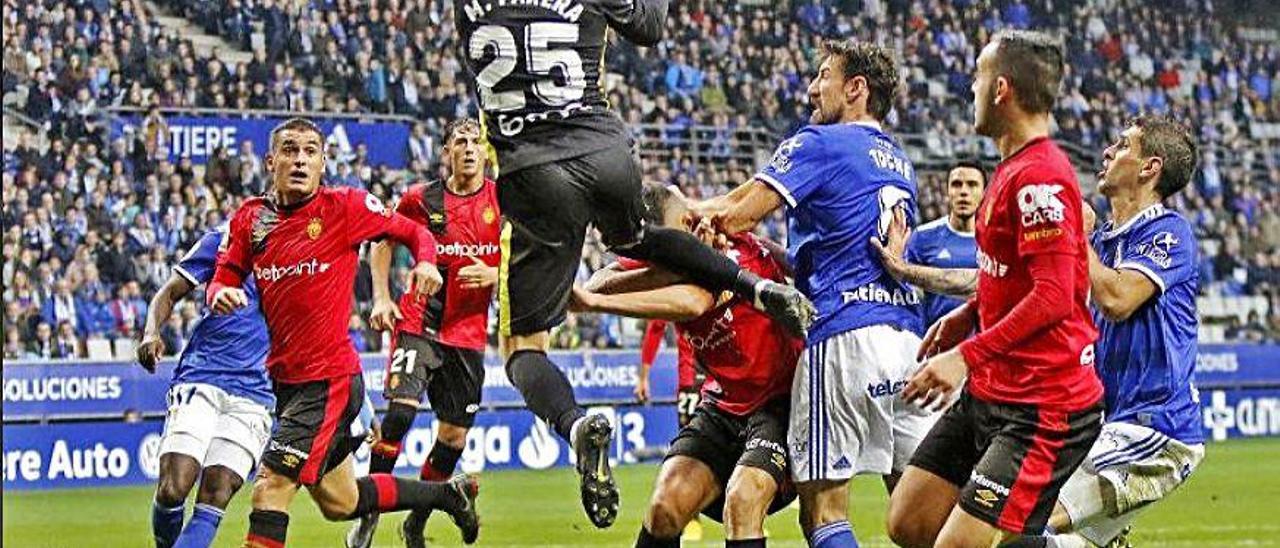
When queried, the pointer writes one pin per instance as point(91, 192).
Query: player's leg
point(692, 478)
point(242, 431)
point(341, 496)
point(1015, 484)
point(546, 220)
point(615, 178)
point(761, 472)
point(911, 423)
point(188, 430)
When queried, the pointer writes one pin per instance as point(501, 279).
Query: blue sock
point(200, 530)
point(833, 535)
point(166, 523)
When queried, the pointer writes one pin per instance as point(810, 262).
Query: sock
point(833, 535)
point(382, 458)
point(545, 390)
point(200, 530)
point(647, 540)
point(1027, 541)
point(745, 543)
point(166, 523)
point(267, 529)
point(1067, 540)
point(440, 462)
point(387, 493)
point(684, 254)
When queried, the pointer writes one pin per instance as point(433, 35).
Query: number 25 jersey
point(537, 66)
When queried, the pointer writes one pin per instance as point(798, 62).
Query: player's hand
point(642, 389)
point(477, 275)
point(893, 251)
point(706, 231)
point(150, 350)
point(228, 299)
point(581, 300)
point(425, 280)
point(384, 315)
point(375, 433)
point(947, 332)
point(1090, 217)
point(934, 384)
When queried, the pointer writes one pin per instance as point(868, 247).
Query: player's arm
point(385, 312)
point(741, 209)
point(675, 303)
point(370, 220)
point(895, 255)
point(653, 333)
point(639, 21)
point(152, 348)
point(614, 278)
point(224, 293)
point(1118, 293)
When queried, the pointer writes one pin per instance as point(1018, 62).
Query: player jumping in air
point(1143, 276)
point(730, 461)
point(566, 163)
point(301, 242)
point(438, 347)
point(842, 179)
point(219, 402)
point(990, 470)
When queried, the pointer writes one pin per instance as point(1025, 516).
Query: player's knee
point(218, 485)
point(904, 530)
point(334, 510)
point(272, 491)
point(171, 492)
point(665, 518)
point(748, 497)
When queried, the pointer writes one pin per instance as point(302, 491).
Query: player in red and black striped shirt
point(301, 244)
point(990, 470)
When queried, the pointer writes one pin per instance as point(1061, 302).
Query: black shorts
point(687, 400)
point(723, 442)
point(313, 427)
point(452, 377)
point(547, 209)
point(1009, 461)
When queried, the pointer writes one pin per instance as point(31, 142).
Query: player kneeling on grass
point(219, 402)
point(301, 243)
point(730, 462)
point(438, 346)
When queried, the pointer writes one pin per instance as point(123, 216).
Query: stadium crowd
point(93, 220)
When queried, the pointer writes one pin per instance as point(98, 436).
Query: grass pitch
point(1232, 500)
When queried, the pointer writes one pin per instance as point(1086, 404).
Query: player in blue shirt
point(1144, 280)
point(947, 242)
point(219, 402)
point(842, 178)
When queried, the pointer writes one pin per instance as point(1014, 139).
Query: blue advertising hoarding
point(200, 136)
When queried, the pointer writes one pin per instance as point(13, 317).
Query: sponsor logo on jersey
point(875, 293)
point(272, 273)
point(991, 266)
point(489, 215)
point(1040, 204)
point(456, 249)
point(842, 464)
point(1042, 234)
point(511, 126)
point(990, 484)
point(314, 228)
point(887, 387)
point(985, 497)
point(1158, 249)
point(720, 332)
point(781, 161)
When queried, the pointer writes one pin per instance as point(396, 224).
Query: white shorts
point(1128, 468)
point(847, 414)
point(215, 428)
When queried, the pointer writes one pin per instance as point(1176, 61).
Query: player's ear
point(1001, 90)
point(1151, 168)
point(268, 162)
point(853, 87)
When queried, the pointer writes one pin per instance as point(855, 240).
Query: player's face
point(1121, 163)
point(826, 92)
point(297, 162)
point(466, 152)
point(984, 88)
point(964, 191)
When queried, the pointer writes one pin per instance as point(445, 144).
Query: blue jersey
point(938, 245)
point(841, 183)
point(1147, 362)
point(228, 351)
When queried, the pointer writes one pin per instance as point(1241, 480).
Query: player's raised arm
point(675, 303)
point(639, 21)
point(372, 220)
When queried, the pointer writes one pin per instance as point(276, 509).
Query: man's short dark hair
point(1033, 63)
point(294, 124)
point(971, 164)
point(872, 62)
point(455, 125)
point(1172, 142)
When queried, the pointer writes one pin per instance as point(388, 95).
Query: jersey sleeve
point(235, 254)
point(1048, 213)
point(367, 217)
point(797, 168)
point(410, 204)
point(1164, 251)
point(915, 248)
point(639, 21)
point(198, 264)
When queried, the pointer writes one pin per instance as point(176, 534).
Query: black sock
point(647, 540)
point(382, 458)
point(387, 493)
point(684, 254)
point(440, 462)
point(267, 529)
point(1027, 541)
point(745, 543)
point(545, 390)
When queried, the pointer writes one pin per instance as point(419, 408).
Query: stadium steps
point(202, 42)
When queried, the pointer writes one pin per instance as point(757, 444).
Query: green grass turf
point(1232, 500)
